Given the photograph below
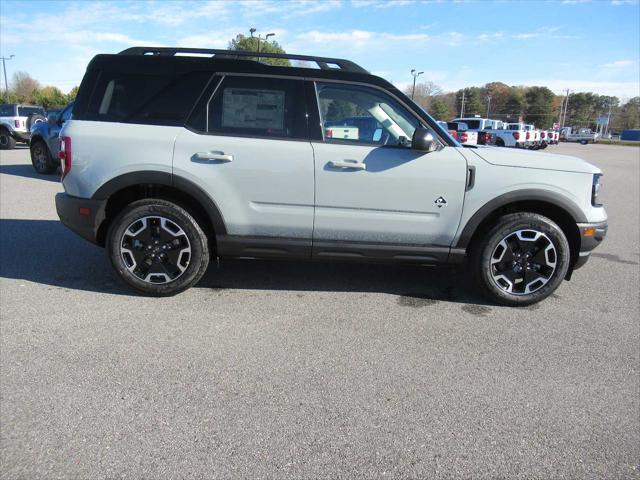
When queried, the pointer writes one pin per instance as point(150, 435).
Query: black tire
point(583, 142)
point(33, 119)
point(7, 142)
point(41, 158)
point(543, 146)
point(500, 263)
point(147, 214)
point(499, 142)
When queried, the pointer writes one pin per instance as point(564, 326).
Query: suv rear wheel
point(157, 247)
point(7, 142)
point(521, 260)
point(41, 157)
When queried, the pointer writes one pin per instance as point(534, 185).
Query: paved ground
point(309, 370)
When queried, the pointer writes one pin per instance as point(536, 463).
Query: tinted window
point(26, 111)
point(149, 99)
point(363, 115)
point(7, 110)
point(256, 106)
point(473, 124)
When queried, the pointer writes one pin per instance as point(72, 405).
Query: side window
point(257, 106)
point(363, 115)
point(7, 110)
point(148, 99)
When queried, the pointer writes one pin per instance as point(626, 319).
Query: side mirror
point(423, 140)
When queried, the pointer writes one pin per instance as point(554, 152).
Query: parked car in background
point(516, 138)
point(490, 132)
point(355, 128)
point(16, 121)
point(532, 135)
point(460, 131)
point(582, 136)
point(45, 141)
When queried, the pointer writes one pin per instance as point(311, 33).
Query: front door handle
point(213, 156)
point(353, 164)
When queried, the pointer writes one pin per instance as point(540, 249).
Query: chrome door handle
point(355, 165)
point(217, 156)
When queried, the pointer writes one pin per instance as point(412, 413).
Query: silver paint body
point(290, 188)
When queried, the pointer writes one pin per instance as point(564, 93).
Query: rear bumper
point(591, 235)
point(21, 136)
point(82, 216)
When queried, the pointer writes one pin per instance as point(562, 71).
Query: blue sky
point(581, 45)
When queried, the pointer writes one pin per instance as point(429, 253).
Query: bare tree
point(424, 93)
point(24, 87)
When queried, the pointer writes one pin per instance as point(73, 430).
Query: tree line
point(27, 90)
point(535, 105)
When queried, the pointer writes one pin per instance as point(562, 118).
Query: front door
point(374, 194)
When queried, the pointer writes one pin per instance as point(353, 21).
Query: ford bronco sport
point(169, 159)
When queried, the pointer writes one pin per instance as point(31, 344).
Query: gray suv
point(171, 159)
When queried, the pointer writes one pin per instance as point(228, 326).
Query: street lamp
point(415, 75)
point(4, 68)
point(488, 104)
point(266, 38)
point(252, 31)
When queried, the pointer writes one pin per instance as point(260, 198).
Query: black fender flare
point(167, 179)
point(524, 195)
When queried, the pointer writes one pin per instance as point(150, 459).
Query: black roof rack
point(323, 63)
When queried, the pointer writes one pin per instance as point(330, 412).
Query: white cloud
point(618, 64)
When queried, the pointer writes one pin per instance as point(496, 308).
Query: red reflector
point(17, 123)
point(328, 133)
point(65, 155)
point(464, 137)
point(528, 135)
point(85, 211)
point(516, 135)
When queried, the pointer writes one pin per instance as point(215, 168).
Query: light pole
point(488, 105)
point(266, 39)
point(415, 75)
point(4, 68)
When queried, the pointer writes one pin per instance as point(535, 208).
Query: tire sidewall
point(199, 258)
point(49, 165)
point(510, 224)
point(8, 142)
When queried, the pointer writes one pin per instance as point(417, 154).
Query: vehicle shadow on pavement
point(46, 252)
point(27, 171)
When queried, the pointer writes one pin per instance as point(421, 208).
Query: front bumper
point(81, 215)
point(591, 235)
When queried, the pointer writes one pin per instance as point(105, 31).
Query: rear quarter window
point(146, 99)
point(7, 110)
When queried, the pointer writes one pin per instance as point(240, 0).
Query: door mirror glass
point(423, 140)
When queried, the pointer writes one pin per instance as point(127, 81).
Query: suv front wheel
point(157, 247)
point(521, 260)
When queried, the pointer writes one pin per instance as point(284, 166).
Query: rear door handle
point(354, 164)
point(213, 156)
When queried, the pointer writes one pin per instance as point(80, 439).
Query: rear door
point(375, 196)
point(247, 147)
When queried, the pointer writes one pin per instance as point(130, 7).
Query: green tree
point(630, 113)
point(250, 44)
point(499, 93)
point(71, 96)
point(539, 106)
point(50, 97)
point(440, 109)
point(472, 101)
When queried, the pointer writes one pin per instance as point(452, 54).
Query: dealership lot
point(307, 369)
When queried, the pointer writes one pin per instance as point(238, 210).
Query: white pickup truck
point(491, 128)
point(583, 136)
point(460, 131)
point(518, 134)
point(533, 136)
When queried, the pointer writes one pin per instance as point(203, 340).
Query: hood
point(512, 157)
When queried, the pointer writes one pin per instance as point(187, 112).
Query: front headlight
point(596, 189)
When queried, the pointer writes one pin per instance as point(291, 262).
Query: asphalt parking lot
point(310, 370)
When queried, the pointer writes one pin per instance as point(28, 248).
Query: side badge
point(440, 202)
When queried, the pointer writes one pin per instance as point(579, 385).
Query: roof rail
point(323, 63)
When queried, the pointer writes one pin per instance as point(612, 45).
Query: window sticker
point(251, 108)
